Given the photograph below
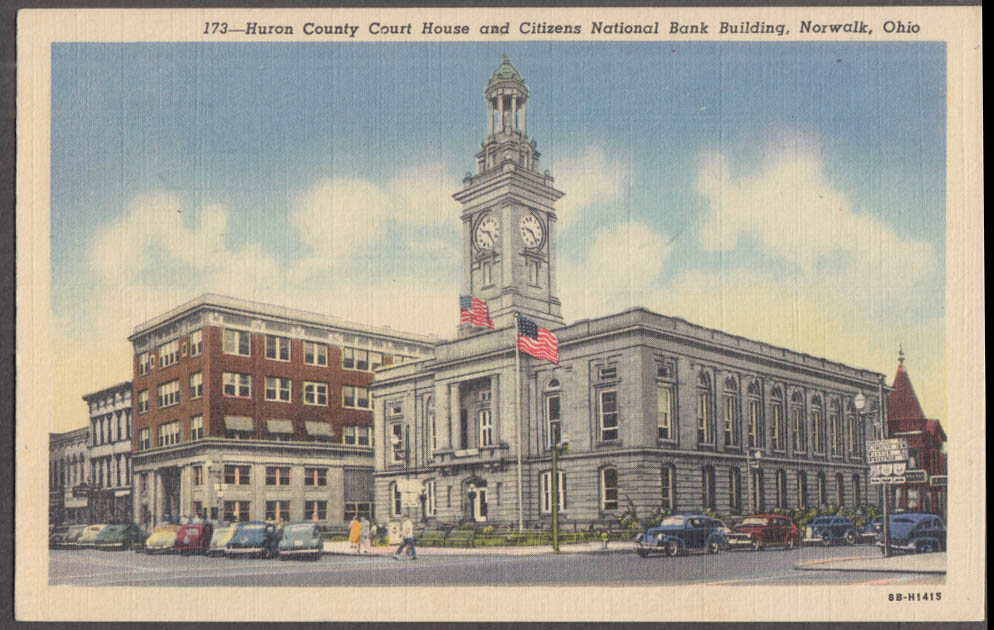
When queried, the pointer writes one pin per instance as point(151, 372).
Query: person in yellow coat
point(355, 533)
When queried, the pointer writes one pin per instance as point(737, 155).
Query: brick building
point(926, 448)
point(68, 457)
point(661, 413)
point(251, 411)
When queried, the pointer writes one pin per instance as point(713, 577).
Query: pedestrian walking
point(355, 532)
point(407, 533)
point(364, 536)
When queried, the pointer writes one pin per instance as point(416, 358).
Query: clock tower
point(509, 216)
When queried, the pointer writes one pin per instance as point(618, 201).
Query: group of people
point(361, 534)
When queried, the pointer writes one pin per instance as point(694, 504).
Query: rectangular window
point(198, 475)
point(349, 437)
point(237, 385)
point(316, 510)
point(278, 389)
point(315, 353)
point(487, 270)
point(143, 363)
point(833, 427)
point(396, 442)
point(277, 348)
point(355, 397)
point(196, 427)
point(169, 394)
point(196, 385)
point(277, 510)
point(668, 483)
point(169, 433)
point(316, 394)
point(734, 491)
point(703, 415)
point(362, 435)
point(348, 359)
point(731, 421)
point(664, 412)
point(316, 477)
point(375, 360)
point(144, 439)
point(362, 360)
point(143, 401)
point(236, 342)
point(819, 440)
point(608, 373)
point(796, 439)
point(534, 271)
point(236, 511)
point(486, 428)
point(609, 489)
point(238, 475)
point(755, 434)
point(196, 343)
point(778, 432)
point(546, 483)
point(360, 510)
point(554, 413)
point(430, 498)
point(277, 475)
point(168, 353)
point(609, 415)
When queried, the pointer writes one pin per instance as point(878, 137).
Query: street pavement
point(586, 565)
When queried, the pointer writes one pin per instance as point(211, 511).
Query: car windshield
point(298, 529)
point(903, 520)
point(673, 521)
point(252, 528)
point(753, 520)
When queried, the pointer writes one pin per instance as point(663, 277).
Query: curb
point(811, 567)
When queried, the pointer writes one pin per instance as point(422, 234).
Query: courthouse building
point(658, 412)
point(251, 411)
point(110, 454)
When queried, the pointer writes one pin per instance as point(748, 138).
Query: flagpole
point(517, 421)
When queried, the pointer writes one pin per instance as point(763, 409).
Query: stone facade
point(68, 459)
point(659, 413)
point(110, 453)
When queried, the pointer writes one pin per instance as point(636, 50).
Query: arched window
point(609, 489)
point(835, 428)
point(802, 489)
point(778, 431)
point(546, 486)
point(430, 424)
point(798, 441)
point(755, 416)
point(730, 412)
point(396, 502)
point(668, 483)
point(840, 490)
point(707, 487)
point(857, 494)
point(734, 491)
point(781, 489)
point(821, 490)
point(553, 413)
point(817, 428)
point(704, 398)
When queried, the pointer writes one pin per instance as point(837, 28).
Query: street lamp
point(217, 474)
point(880, 431)
point(557, 450)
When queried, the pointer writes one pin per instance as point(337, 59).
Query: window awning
point(321, 429)
point(279, 426)
point(238, 423)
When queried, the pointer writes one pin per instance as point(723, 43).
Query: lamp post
point(753, 458)
point(557, 450)
point(216, 473)
point(880, 432)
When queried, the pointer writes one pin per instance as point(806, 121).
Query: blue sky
point(790, 192)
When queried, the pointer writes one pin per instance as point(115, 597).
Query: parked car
point(758, 531)
point(219, 539)
point(681, 533)
point(57, 536)
point(830, 530)
point(301, 540)
point(121, 536)
point(915, 532)
point(257, 538)
point(89, 537)
point(193, 538)
point(71, 540)
point(162, 539)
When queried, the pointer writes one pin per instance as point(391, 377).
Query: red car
point(194, 538)
point(758, 531)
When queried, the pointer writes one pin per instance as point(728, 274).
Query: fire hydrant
point(604, 539)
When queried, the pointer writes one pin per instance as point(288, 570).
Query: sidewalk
point(904, 563)
point(344, 548)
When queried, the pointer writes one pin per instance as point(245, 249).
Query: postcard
point(500, 314)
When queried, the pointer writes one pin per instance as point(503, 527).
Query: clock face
point(487, 232)
point(531, 230)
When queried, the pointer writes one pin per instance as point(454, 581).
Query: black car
point(915, 532)
point(682, 533)
point(256, 538)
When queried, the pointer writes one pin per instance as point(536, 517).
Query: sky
point(792, 193)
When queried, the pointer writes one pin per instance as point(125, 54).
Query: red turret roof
point(902, 403)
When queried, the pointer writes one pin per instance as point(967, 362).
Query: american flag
point(474, 311)
point(536, 341)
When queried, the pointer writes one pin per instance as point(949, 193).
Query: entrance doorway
point(477, 504)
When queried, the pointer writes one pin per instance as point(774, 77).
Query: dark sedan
point(759, 531)
point(255, 538)
point(916, 533)
point(830, 530)
point(301, 540)
point(194, 538)
point(681, 533)
point(121, 536)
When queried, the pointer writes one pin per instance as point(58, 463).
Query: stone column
point(455, 434)
point(514, 111)
point(490, 116)
point(495, 401)
point(500, 110)
point(524, 118)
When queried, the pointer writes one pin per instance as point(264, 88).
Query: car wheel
point(826, 540)
point(851, 537)
point(757, 544)
point(791, 543)
point(672, 549)
point(714, 546)
point(923, 547)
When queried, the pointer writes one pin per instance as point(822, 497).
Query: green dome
point(506, 72)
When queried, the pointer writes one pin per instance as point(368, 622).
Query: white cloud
point(589, 178)
point(793, 210)
point(422, 195)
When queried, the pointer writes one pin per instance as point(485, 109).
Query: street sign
point(939, 480)
point(886, 480)
point(916, 476)
point(886, 445)
point(886, 456)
